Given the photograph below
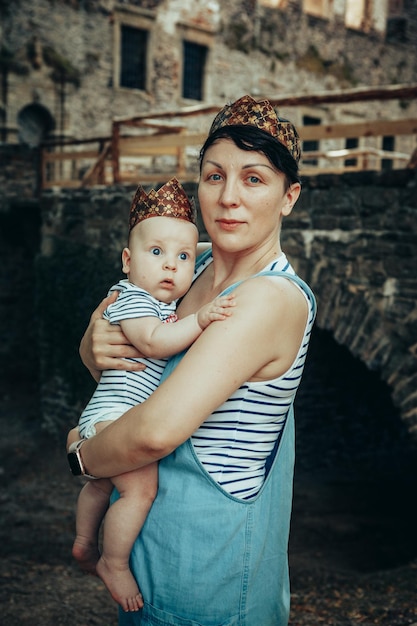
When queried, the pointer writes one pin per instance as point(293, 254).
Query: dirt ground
point(351, 563)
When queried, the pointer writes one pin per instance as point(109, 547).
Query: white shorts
point(88, 428)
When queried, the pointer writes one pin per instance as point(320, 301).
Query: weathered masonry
point(69, 67)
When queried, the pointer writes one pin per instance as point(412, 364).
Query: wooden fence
point(149, 148)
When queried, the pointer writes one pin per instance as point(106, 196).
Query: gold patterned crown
point(169, 201)
point(248, 112)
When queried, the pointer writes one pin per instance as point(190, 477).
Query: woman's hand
point(104, 346)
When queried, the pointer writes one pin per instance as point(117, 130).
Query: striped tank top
point(235, 441)
point(118, 391)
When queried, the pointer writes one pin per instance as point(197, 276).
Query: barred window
point(193, 72)
point(350, 143)
point(133, 49)
point(311, 144)
point(388, 144)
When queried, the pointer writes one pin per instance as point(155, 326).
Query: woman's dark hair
point(251, 138)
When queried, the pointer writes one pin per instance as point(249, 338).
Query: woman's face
point(243, 197)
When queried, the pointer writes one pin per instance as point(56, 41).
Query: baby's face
point(161, 256)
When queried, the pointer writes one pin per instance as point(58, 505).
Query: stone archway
point(363, 314)
point(355, 467)
point(35, 123)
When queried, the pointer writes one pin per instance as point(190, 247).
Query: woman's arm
point(104, 346)
point(258, 342)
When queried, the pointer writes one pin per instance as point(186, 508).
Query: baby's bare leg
point(92, 505)
point(122, 524)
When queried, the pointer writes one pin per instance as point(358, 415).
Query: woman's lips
point(229, 225)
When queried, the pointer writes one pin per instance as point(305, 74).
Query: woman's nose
point(229, 195)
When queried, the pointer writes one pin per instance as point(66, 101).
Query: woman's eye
point(253, 179)
point(183, 256)
point(215, 177)
point(156, 251)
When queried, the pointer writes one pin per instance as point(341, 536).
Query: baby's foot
point(121, 584)
point(87, 554)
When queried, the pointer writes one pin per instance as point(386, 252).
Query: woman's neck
point(230, 268)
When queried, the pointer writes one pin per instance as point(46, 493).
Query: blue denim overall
point(206, 558)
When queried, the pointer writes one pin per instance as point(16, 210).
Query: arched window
point(35, 123)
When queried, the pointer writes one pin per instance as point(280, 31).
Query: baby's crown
point(169, 201)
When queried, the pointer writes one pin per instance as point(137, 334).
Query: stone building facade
point(69, 67)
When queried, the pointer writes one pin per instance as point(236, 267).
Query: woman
point(213, 551)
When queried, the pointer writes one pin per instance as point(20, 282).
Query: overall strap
point(293, 277)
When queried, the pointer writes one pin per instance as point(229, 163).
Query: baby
point(159, 264)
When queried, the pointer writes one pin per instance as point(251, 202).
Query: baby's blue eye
point(183, 256)
point(156, 251)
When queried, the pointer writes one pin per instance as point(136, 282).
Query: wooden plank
point(160, 142)
point(377, 128)
point(353, 153)
point(185, 112)
point(360, 94)
point(48, 143)
point(62, 184)
point(137, 148)
point(70, 156)
point(314, 170)
point(147, 177)
point(115, 153)
point(96, 171)
point(153, 125)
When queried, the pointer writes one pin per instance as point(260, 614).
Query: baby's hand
point(217, 310)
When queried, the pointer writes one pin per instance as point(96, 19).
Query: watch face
point(74, 464)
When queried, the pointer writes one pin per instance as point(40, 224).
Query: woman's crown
point(248, 112)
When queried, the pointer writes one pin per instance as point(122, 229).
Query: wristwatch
point(75, 460)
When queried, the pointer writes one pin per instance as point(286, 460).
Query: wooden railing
point(144, 149)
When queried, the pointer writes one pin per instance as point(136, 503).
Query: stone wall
point(19, 174)
point(353, 238)
point(19, 245)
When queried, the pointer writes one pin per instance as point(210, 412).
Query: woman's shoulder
point(282, 276)
point(273, 306)
point(268, 290)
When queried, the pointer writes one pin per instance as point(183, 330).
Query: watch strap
point(75, 450)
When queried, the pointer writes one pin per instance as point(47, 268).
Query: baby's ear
point(126, 261)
